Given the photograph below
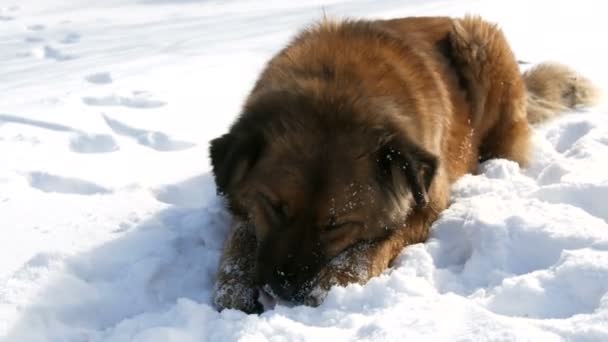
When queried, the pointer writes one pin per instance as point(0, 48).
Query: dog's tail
point(554, 88)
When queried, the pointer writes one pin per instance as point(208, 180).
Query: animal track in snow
point(70, 38)
point(4, 10)
point(33, 39)
point(7, 17)
point(51, 183)
point(4, 118)
point(138, 100)
point(35, 27)
point(80, 142)
point(153, 139)
point(49, 52)
point(99, 78)
point(93, 143)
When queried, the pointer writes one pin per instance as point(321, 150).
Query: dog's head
point(315, 178)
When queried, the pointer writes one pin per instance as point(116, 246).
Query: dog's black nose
point(289, 280)
point(282, 285)
point(276, 279)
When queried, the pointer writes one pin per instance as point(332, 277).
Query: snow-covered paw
point(353, 266)
point(237, 296)
point(316, 296)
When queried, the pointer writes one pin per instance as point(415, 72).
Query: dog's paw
point(353, 266)
point(317, 295)
point(237, 296)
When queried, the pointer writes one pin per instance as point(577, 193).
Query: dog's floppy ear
point(399, 158)
point(232, 155)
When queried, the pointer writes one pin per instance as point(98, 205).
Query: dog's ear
point(232, 156)
point(399, 160)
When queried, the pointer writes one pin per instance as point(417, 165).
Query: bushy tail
point(554, 88)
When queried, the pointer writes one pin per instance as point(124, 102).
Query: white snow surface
point(111, 229)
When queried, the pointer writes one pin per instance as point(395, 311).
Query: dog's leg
point(496, 89)
point(235, 286)
point(366, 260)
point(509, 138)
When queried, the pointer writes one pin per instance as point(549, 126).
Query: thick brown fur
point(350, 140)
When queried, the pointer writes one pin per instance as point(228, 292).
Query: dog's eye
point(276, 209)
point(334, 226)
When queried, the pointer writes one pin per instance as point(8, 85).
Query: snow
point(111, 229)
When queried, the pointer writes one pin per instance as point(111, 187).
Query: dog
point(351, 138)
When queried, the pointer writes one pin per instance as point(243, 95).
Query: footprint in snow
point(35, 27)
point(33, 39)
point(93, 143)
point(139, 100)
point(49, 52)
point(99, 78)
point(7, 17)
point(80, 142)
point(70, 38)
point(153, 139)
point(51, 183)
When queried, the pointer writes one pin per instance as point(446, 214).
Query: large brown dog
point(350, 141)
